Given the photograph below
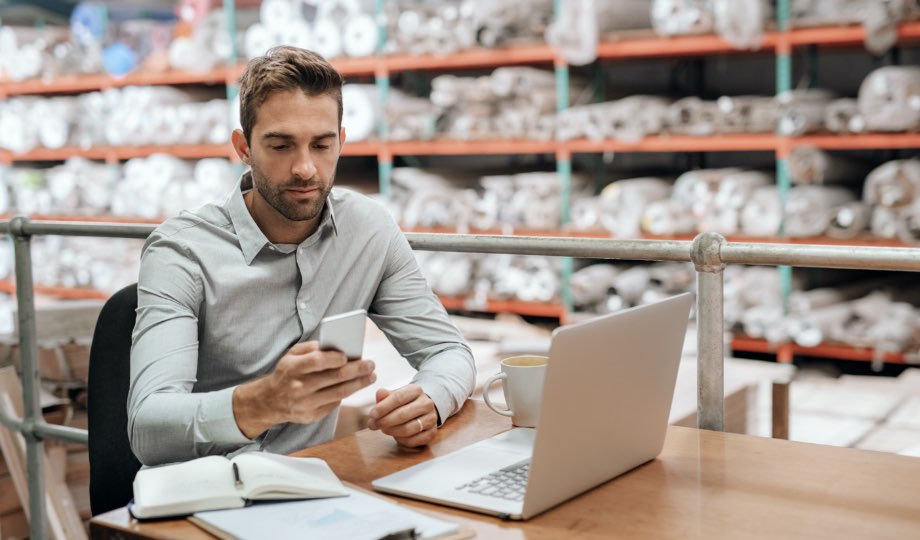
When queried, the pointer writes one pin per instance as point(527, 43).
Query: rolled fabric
point(55, 121)
point(850, 220)
point(908, 224)
point(623, 203)
point(635, 117)
point(889, 99)
point(741, 22)
point(820, 324)
point(361, 112)
point(88, 23)
point(297, 33)
point(590, 284)
point(361, 35)
point(513, 80)
point(802, 111)
point(894, 184)
point(681, 17)
point(258, 39)
point(277, 14)
point(810, 165)
point(809, 209)
point(843, 116)
point(574, 34)
point(884, 222)
point(763, 214)
point(693, 116)
point(327, 38)
point(667, 218)
point(745, 114)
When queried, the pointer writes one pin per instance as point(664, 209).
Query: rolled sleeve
point(415, 322)
point(167, 421)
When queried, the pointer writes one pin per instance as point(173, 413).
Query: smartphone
point(344, 332)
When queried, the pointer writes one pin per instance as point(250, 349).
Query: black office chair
point(112, 464)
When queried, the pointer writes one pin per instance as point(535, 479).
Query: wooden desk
point(703, 485)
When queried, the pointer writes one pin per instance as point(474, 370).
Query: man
point(230, 296)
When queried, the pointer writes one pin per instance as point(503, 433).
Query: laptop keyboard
point(508, 483)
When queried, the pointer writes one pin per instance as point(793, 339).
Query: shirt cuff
point(218, 425)
point(441, 398)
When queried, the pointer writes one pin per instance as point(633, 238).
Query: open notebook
point(359, 516)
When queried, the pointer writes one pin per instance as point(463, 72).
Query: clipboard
point(360, 515)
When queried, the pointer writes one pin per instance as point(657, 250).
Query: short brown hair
point(285, 68)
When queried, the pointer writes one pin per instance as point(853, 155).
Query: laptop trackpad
point(447, 472)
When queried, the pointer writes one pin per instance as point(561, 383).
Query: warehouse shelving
point(448, 147)
point(786, 352)
point(120, 153)
point(623, 46)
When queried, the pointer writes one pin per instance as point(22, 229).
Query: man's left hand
point(407, 414)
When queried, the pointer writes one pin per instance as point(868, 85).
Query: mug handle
point(485, 393)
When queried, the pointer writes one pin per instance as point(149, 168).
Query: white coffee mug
point(522, 381)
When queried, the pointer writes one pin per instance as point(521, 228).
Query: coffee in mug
point(522, 381)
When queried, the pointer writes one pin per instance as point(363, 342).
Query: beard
point(292, 209)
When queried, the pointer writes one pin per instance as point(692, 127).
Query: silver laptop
point(605, 408)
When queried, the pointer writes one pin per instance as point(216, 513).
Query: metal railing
point(709, 252)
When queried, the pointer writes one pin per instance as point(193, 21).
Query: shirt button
point(303, 305)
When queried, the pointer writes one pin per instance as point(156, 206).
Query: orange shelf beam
point(66, 293)
point(89, 219)
point(847, 35)
point(505, 306)
point(679, 143)
point(865, 141)
point(829, 350)
point(474, 58)
point(121, 153)
point(70, 84)
point(458, 148)
point(646, 44)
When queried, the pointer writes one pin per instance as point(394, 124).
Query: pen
point(405, 534)
point(236, 475)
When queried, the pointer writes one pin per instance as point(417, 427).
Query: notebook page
point(359, 516)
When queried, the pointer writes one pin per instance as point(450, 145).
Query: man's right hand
point(306, 385)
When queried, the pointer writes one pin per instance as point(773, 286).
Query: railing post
point(28, 356)
point(707, 259)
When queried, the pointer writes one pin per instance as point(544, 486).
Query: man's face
point(294, 147)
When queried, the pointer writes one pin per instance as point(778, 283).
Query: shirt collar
point(252, 239)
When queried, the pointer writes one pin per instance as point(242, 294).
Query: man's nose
point(304, 167)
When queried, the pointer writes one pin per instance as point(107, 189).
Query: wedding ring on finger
point(421, 427)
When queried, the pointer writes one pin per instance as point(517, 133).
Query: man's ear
point(341, 137)
point(241, 146)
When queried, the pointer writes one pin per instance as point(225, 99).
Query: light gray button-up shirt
point(219, 305)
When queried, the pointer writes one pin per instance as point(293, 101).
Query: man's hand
point(306, 385)
point(407, 414)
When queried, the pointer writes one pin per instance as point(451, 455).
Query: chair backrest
point(112, 464)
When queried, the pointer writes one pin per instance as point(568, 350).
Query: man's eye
point(280, 147)
point(322, 146)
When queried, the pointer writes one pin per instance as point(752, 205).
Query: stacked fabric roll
point(575, 32)
point(152, 188)
point(864, 313)
point(104, 264)
point(497, 277)
point(893, 191)
point(879, 18)
point(129, 116)
point(740, 22)
point(889, 99)
point(605, 288)
point(423, 199)
point(512, 102)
